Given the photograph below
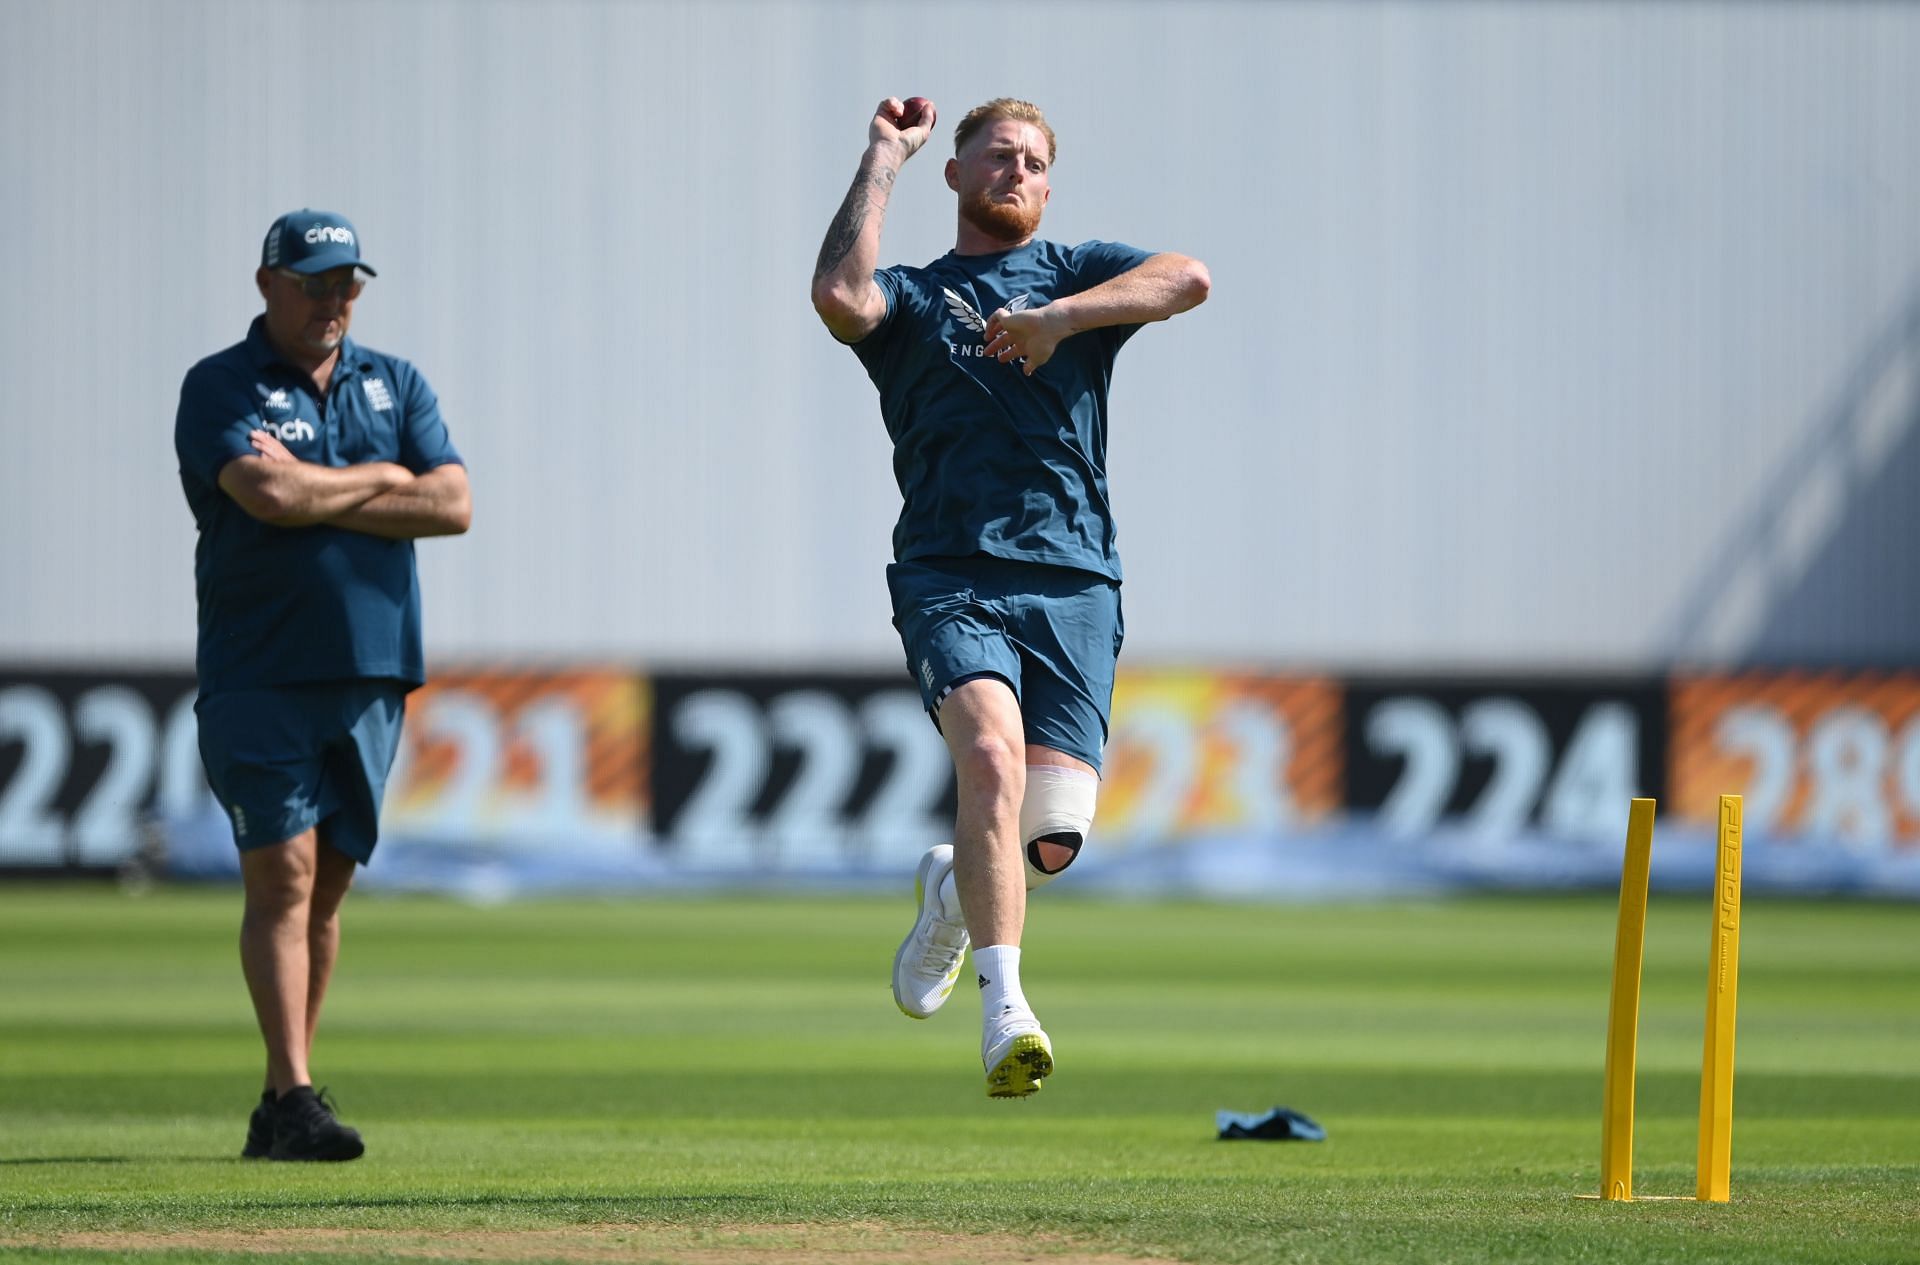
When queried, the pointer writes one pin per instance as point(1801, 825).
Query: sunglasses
point(318, 287)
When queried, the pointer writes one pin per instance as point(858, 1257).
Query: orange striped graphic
point(1195, 751)
point(531, 719)
point(1827, 753)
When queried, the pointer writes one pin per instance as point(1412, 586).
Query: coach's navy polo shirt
point(988, 459)
point(285, 605)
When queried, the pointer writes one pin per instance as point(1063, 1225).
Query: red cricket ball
point(917, 111)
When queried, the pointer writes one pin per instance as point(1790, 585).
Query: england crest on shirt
point(970, 318)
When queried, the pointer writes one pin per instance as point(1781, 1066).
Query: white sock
point(950, 898)
point(998, 966)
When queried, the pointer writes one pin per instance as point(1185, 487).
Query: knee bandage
point(1057, 809)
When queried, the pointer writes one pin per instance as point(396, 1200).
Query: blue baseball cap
point(309, 241)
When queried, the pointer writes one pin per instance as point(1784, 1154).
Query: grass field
point(721, 1079)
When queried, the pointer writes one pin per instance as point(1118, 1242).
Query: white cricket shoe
point(1016, 1053)
point(929, 958)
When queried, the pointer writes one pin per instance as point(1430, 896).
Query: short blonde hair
point(1004, 108)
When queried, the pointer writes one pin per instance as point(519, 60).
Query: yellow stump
point(1713, 1175)
point(1623, 1009)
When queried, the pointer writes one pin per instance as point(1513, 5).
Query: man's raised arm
point(844, 295)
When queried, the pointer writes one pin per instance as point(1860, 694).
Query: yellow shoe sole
point(1021, 1069)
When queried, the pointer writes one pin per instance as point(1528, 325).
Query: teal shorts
point(1053, 634)
point(286, 759)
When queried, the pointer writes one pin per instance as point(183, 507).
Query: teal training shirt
point(287, 605)
point(988, 459)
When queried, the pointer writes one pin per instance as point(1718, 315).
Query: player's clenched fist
point(910, 122)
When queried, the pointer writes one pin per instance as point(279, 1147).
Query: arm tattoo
point(851, 219)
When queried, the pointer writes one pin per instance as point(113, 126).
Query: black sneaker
point(259, 1129)
point(304, 1129)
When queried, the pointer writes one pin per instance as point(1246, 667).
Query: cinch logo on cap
point(309, 241)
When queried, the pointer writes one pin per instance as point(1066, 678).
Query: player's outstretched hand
point(1029, 336)
point(910, 122)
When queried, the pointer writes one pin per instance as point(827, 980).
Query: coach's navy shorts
point(1052, 633)
point(285, 759)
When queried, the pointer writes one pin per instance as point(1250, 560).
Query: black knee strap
point(1065, 839)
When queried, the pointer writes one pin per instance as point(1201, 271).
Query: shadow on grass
point(121, 1159)
point(649, 1097)
point(613, 1208)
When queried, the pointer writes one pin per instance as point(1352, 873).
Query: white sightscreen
point(1521, 313)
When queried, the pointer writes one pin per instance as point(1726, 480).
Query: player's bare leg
point(986, 737)
point(929, 960)
point(981, 723)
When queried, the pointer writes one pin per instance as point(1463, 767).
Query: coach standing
point(311, 464)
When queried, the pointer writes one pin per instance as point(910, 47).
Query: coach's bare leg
point(275, 952)
point(333, 877)
point(982, 726)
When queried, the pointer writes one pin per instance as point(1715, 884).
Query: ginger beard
point(1002, 221)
